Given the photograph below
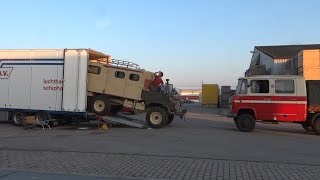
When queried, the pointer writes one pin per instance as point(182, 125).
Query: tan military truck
point(115, 84)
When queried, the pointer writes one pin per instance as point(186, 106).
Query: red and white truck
point(276, 98)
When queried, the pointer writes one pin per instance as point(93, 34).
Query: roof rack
point(122, 63)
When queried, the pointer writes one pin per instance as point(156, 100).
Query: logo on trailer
point(5, 72)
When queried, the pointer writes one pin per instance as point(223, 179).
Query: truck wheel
point(245, 123)
point(100, 105)
point(306, 126)
point(157, 117)
point(316, 125)
point(170, 118)
point(17, 118)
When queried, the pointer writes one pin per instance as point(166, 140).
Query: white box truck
point(44, 82)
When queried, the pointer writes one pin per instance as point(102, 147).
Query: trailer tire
point(245, 123)
point(170, 118)
point(100, 105)
point(316, 125)
point(42, 116)
point(157, 117)
point(17, 117)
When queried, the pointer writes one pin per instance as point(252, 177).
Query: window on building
point(259, 86)
point(94, 69)
point(284, 86)
point(119, 74)
point(134, 77)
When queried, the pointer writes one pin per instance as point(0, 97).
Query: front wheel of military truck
point(157, 117)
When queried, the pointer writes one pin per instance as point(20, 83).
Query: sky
point(190, 41)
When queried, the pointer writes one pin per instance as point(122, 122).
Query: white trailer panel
point(46, 82)
point(49, 80)
point(82, 81)
point(4, 74)
point(20, 79)
point(70, 89)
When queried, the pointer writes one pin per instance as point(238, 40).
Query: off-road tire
point(100, 105)
point(156, 117)
point(245, 123)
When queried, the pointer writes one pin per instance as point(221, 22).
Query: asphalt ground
point(206, 145)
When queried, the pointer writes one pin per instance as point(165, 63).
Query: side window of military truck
point(119, 74)
point(94, 69)
point(134, 77)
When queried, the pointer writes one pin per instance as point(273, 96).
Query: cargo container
point(210, 94)
point(44, 81)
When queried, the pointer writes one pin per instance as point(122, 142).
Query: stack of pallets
point(226, 93)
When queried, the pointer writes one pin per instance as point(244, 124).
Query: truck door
point(261, 98)
point(285, 100)
point(133, 86)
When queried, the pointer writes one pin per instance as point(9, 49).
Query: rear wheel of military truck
point(100, 105)
point(156, 117)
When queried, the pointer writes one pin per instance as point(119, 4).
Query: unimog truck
point(116, 84)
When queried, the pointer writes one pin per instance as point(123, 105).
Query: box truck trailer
point(44, 81)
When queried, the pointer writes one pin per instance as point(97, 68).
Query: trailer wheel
point(42, 116)
point(17, 118)
point(157, 117)
point(245, 123)
point(100, 105)
point(316, 125)
point(170, 118)
point(306, 126)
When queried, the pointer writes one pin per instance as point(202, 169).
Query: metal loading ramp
point(123, 120)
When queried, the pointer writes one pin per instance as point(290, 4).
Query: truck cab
point(270, 99)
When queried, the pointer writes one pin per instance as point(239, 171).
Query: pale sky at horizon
point(191, 41)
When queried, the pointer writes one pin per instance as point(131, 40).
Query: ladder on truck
point(123, 120)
